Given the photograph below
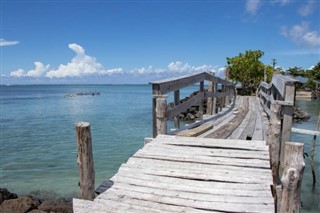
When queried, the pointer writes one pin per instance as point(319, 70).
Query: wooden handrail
point(277, 100)
point(164, 87)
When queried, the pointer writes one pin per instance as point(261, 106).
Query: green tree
point(248, 70)
point(297, 71)
point(314, 73)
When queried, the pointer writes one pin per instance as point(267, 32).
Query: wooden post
point(161, 119)
point(176, 103)
point(85, 161)
point(273, 140)
point(155, 93)
point(286, 122)
point(201, 89)
point(279, 198)
point(214, 104)
point(292, 178)
point(210, 101)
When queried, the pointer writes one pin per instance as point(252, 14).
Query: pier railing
point(286, 158)
point(160, 111)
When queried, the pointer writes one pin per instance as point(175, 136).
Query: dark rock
point(60, 205)
point(6, 195)
point(299, 114)
point(19, 205)
point(190, 116)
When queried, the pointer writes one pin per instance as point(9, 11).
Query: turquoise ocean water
point(38, 145)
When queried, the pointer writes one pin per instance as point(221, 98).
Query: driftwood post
point(273, 140)
point(85, 161)
point(292, 178)
point(161, 119)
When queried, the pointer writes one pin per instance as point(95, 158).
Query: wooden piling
point(273, 140)
point(85, 161)
point(292, 177)
point(161, 119)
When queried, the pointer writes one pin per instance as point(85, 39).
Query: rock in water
point(60, 205)
point(6, 195)
point(19, 205)
point(299, 114)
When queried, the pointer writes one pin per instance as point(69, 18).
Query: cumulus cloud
point(308, 8)
point(18, 73)
point(83, 65)
point(80, 65)
point(37, 72)
point(4, 42)
point(180, 67)
point(252, 6)
point(301, 34)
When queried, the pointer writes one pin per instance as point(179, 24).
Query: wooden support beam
point(85, 161)
point(292, 177)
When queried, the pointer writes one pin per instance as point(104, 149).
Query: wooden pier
point(234, 164)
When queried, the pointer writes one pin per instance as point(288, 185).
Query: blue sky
point(73, 41)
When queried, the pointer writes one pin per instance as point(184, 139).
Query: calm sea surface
point(38, 145)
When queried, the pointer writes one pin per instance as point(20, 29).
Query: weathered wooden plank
point(149, 204)
point(190, 195)
point(219, 171)
point(196, 131)
point(199, 175)
point(173, 84)
point(196, 166)
point(217, 152)
point(227, 129)
point(305, 131)
point(210, 142)
point(204, 205)
point(249, 129)
point(196, 186)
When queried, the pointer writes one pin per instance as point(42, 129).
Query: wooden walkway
point(228, 167)
point(196, 174)
point(184, 174)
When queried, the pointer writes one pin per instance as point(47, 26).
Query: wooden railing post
point(161, 119)
point(214, 104)
point(176, 103)
point(273, 140)
point(201, 89)
point(292, 177)
point(287, 121)
point(209, 100)
point(85, 161)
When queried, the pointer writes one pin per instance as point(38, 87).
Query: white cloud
point(4, 42)
point(252, 6)
point(80, 65)
point(180, 67)
point(301, 34)
point(307, 9)
point(37, 72)
point(18, 73)
point(113, 71)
